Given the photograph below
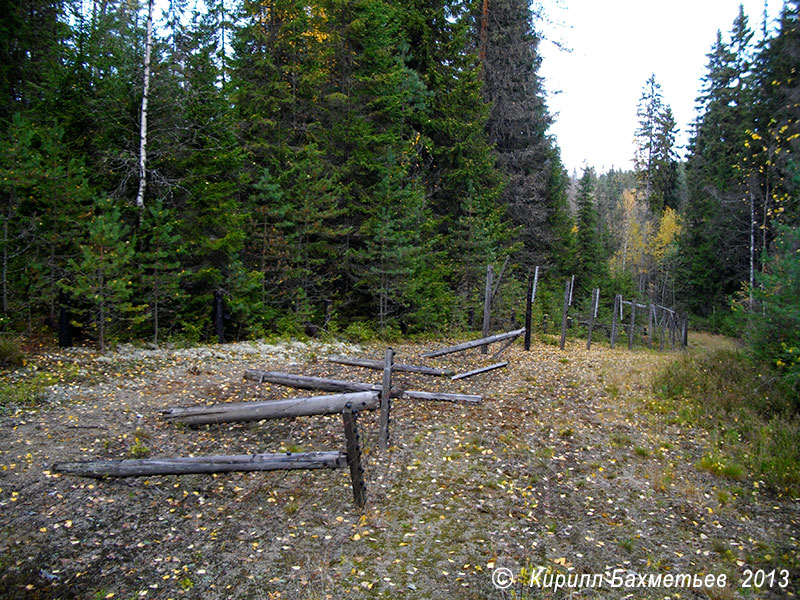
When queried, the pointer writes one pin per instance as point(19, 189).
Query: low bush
point(750, 411)
point(11, 355)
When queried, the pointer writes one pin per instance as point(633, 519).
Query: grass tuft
point(751, 416)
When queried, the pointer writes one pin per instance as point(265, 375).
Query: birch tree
point(148, 48)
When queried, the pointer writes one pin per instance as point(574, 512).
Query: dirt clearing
point(568, 467)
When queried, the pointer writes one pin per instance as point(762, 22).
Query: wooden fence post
point(685, 331)
point(673, 329)
point(386, 392)
point(528, 312)
point(571, 288)
point(617, 305)
point(487, 305)
point(633, 325)
point(567, 294)
point(651, 325)
point(352, 437)
point(592, 316)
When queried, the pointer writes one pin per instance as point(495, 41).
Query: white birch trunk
point(148, 46)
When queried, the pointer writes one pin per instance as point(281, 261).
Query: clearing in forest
point(570, 466)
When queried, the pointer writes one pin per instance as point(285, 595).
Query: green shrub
point(11, 355)
point(359, 331)
point(773, 332)
point(749, 410)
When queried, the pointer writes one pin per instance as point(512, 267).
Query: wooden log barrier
point(144, 467)
point(378, 366)
point(475, 343)
point(386, 400)
point(467, 398)
point(567, 301)
point(309, 383)
point(272, 409)
point(499, 365)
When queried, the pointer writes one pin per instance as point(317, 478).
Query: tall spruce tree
point(655, 159)
point(518, 123)
point(591, 263)
point(456, 164)
point(718, 224)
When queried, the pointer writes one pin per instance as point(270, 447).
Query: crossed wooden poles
point(352, 398)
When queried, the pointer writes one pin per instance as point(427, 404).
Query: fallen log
point(499, 365)
point(203, 464)
point(307, 382)
point(485, 341)
point(378, 365)
point(468, 398)
point(272, 409)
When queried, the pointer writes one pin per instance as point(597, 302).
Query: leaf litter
point(565, 465)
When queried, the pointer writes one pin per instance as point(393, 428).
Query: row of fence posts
point(673, 327)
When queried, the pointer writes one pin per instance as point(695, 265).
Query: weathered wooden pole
point(378, 365)
point(238, 412)
point(499, 279)
point(487, 305)
point(144, 467)
point(685, 331)
point(386, 392)
point(651, 326)
point(528, 313)
point(567, 294)
point(673, 330)
point(617, 306)
point(353, 440)
point(529, 307)
point(592, 316)
point(441, 396)
point(499, 365)
point(308, 382)
point(633, 325)
point(475, 343)
point(571, 288)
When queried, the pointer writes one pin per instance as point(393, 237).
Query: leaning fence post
point(592, 316)
point(567, 294)
point(487, 305)
point(386, 392)
point(617, 306)
point(633, 324)
point(352, 437)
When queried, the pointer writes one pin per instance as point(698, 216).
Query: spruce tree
point(714, 244)
point(591, 263)
point(655, 160)
point(518, 123)
point(101, 276)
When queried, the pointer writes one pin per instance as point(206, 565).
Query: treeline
point(717, 233)
point(303, 162)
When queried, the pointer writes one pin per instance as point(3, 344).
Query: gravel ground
point(567, 468)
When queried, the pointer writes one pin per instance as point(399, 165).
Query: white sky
point(616, 45)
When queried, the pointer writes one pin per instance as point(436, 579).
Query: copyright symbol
point(502, 578)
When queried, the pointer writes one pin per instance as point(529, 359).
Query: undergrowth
point(753, 418)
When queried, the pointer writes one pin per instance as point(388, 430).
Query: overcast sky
point(616, 45)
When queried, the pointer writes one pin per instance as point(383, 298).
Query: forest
point(227, 170)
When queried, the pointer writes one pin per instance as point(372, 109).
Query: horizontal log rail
point(143, 467)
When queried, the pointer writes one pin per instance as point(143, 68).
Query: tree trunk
point(148, 47)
